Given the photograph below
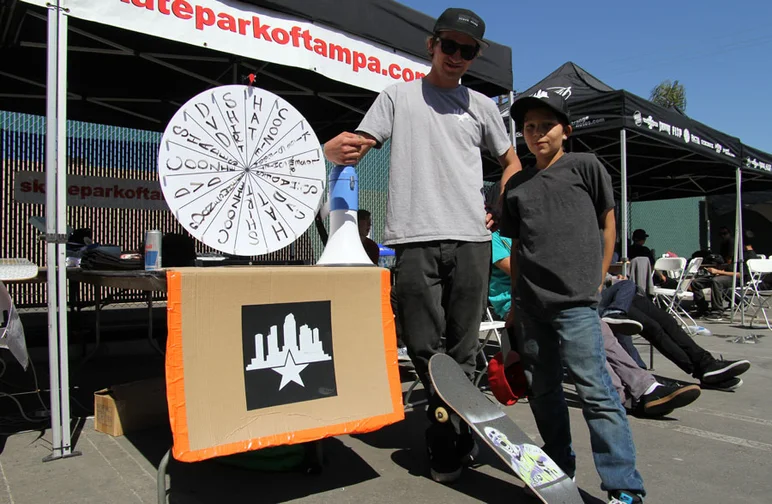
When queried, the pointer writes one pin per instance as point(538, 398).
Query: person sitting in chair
point(720, 283)
point(664, 332)
point(638, 390)
point(364, 220)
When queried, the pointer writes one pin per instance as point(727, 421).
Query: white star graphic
point(290, 372)
point(463, 117)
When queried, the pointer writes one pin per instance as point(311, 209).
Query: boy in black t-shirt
point(556, 291)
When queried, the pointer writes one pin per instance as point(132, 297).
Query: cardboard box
point(268, 356)
point(130, 407)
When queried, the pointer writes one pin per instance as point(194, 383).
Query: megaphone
point(344, 246)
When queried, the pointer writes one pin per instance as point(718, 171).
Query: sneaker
point(619, 323)
point(624, 497)
point(722, 370)
point(713, 316)
point(402, 355)
point(727, 386)
point(698, 330)
point(667, 397)
point(466, 446)
point(444, 463)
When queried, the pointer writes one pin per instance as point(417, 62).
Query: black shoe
point(624, 497)
point(665, 398)
point(727, 386)
point(444, 462)
point(619, 323)
point(466, 446)
point(722, 370)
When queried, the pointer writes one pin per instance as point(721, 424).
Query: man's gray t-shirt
point(555, 214)
point(435, 179)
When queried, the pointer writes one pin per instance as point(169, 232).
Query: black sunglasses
point(449, 47)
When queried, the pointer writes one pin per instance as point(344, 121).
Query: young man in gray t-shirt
point(435, 216)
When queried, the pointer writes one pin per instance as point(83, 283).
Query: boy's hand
point(510, 320)
point(491, 222)
point(492, 218)
point(347, 148)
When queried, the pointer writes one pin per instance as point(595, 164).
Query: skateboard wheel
point(441, 414)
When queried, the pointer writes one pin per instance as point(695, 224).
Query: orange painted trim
point(175, 389)
point(390, 344)
point(175, 375)
point(303, 436)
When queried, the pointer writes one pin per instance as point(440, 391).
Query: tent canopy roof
point(669, 155)
point(126, 78)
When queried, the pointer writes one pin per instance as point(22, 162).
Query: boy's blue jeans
point(574, 337)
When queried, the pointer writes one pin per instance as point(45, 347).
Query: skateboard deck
point(511, 444)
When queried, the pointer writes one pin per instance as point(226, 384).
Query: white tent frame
point(56, 233)
point(738, 245)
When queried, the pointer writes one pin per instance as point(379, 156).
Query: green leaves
point(669, 94)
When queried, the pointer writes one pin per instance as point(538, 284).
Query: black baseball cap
point(462, 21)
point(541, 98)
point(639, 234)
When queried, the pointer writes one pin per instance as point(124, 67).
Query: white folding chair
point(490, 329)
point(753, 295)
point(670, 299)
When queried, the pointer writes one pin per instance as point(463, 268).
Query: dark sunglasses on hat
point(449, 47)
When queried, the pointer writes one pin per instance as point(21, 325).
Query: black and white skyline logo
point(287, 353)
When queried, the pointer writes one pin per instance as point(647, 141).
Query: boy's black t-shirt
point(554, 213)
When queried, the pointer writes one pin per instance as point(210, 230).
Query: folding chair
point(490, 329)
point(670, 299)
point(759, 298)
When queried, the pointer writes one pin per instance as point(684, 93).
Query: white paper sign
point(241, 170)
point(247, 30)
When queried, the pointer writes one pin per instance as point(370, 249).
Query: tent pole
point(738, 244)
point(61, 244)
point(56, 232)
point(623, 204)
point(512, 134)
point(54, 17)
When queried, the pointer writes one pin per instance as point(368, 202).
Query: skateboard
point(528, 461)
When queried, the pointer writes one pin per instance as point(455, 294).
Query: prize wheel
point(241, 170)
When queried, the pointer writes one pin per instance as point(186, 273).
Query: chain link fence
point(672, 225)
point(95, 150)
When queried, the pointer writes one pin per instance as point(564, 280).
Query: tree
point(669, 94)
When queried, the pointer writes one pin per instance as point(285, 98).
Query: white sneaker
point(402, 355)
point(699, 330)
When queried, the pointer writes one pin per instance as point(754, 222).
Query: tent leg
point(623, 204)
point(512, 133)
point(56, 229)
point(738, 247)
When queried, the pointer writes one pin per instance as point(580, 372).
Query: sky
point(721, 51)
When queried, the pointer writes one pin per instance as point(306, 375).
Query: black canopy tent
point(754, 159)
point(115, 62)
point(130, 79)
point(668, 154)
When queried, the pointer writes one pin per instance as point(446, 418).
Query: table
point(144, 280)
point(148, 281)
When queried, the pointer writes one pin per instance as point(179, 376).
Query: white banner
point(237, 28)
point(100, 192)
